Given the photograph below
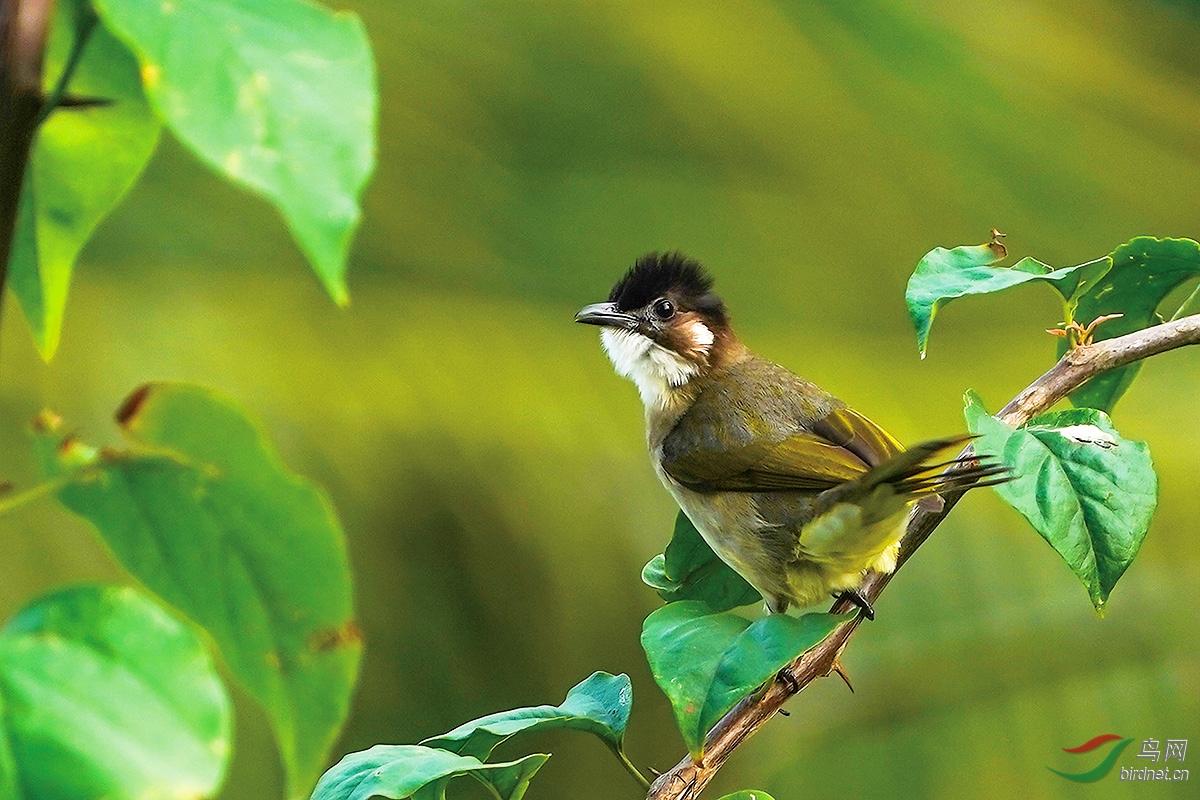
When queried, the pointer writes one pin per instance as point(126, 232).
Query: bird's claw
point(786, 678)
point(859, 599)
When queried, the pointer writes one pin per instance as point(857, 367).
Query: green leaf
point(943, 275)
point(1090, 493)
point(201, 510)
point(107, 695)
point(279, 96)
point(748, 794)
point(83, 162)
point(10, 780)
point(705, 663)
point(690, 570)
point(399, 771)
point(1144, 271)
point(599, 705)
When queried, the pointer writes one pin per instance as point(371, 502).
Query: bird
point(797, 492)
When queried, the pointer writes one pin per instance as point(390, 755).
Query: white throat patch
point(654, 369)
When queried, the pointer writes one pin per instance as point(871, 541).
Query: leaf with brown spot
point(346, 635)
point(202, 511)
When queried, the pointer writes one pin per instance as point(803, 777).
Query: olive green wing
point(801, 461)
point(847, 428)
point(723, 443)
point(910, 472)
point(841, 446)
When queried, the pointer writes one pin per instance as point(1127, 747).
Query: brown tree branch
point(24, 27)
point(1075, 368)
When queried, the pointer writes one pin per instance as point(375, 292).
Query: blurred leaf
point(202, 511)
point(705, 662)
point(10, 780)
point(690, 570)
point(1090, 493)
point(277, 95)
point(943, 275)
point(108, 695)
point(748, 794)
point(599, 705)
point(399, 771)
point(84, 160)
point(1144, 271)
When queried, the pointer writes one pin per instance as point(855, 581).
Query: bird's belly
point(773, 558)
point(729, 522)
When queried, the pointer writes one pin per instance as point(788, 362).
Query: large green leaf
point(107, 695)
point(748, 794)
point(202, 511)
point(83, 162)
point(1144, 271)
point(599, 705)
point(277, 95)
point(705, 662)
point(399, 771)
point(1090, 493)
point(690, 570)
point(943, 275)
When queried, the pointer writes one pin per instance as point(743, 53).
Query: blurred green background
point(488, 465)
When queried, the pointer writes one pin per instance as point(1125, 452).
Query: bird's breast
point(731, 525)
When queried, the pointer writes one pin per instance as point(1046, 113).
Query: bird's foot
point(788, 680)
point(859, 599)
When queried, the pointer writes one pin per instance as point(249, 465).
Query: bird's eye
point(664, 309)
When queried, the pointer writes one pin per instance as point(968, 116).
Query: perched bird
point(791, 488)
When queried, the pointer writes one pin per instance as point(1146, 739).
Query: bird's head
point(662, 324)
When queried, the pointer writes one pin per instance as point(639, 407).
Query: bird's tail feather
point(862, 519)
point(913, 474)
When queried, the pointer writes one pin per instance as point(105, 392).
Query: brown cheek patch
point(685, 337)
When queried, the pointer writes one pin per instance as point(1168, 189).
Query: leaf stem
point(15, 501)
point(83, 34)
point(1190, 305)
point(630, 768)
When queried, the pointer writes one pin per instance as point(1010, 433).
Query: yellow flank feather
point(835, 548)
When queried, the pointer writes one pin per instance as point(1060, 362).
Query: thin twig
point(58, 94)
point(1075, 368)
point(10, 502)
point(24, 27)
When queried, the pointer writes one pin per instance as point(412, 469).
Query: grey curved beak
point(606, 314)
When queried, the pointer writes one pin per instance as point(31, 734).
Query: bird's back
point(749, 400)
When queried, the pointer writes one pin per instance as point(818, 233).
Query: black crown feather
point(654, 274)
